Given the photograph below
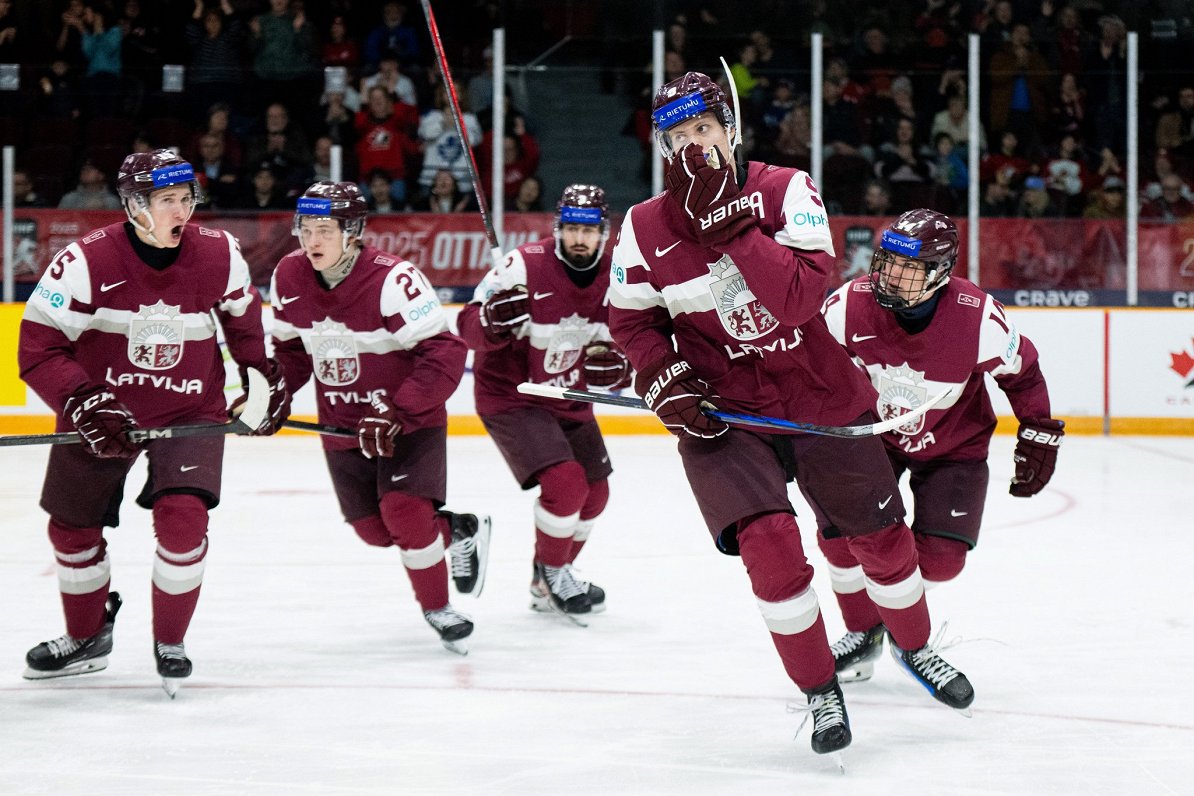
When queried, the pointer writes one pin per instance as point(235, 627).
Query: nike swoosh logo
point(187, 468)
point(858, 338)
point(104, 288)
point(284, 300)
point(955, 513)
point(883, 505)
point(398, 477)
point(660, 252)
point(539, 295)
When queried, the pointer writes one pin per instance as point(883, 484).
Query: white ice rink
point(315, 672)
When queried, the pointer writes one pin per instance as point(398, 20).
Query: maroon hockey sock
point(81, 556)
point(443, 528)
point(859, 612)
point(594, 504)
point(430, 585)
point(563, 491)
point(180, 523)
point(806, 656)
point(910, 627)
point(888, 557)
point(410, 520)
point(551, 550)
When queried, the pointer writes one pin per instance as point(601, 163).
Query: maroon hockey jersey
point(101, 315)
point(968, 337)
point(380, 331)
point(746, 317)
point(550, 348)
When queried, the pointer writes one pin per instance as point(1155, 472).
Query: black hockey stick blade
point(256, 407)
point(740, 418)
point(320, 428)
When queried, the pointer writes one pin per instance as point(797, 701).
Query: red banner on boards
point(452, 249)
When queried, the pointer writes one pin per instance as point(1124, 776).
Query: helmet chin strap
point(144, 210)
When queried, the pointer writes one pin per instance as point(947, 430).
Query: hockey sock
point(849, 585)
point(83, 576)
point(594, 504)
point(563, 491)
point(180, 524)
point(780, 577)
point(893, 582)
point(411, 522)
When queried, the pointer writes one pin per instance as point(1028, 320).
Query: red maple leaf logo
point(1182, 363)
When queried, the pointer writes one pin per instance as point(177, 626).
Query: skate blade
point(81, 667)
point(460, 646)
point(965, 712)
point(484, 529)
point(598, 609)
point(171, 685)
point(544, 605)
point(840, 760)
point(856, 672)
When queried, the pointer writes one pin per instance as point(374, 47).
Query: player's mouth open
point(176, 232)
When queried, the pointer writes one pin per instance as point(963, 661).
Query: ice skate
point(831, 724)
point(469, 551)
point(66, 655)
point(854, 654)
point(453, 627)
point(173, 665)
point(556, 589)
point(945, 683)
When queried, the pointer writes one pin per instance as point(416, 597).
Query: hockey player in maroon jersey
point(917, 330)
point(368, 326)
point(121, 333)
point(541, 316)
point(732, 264)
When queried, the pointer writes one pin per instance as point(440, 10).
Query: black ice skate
point(854, 654)
point(595, 593)
point(469, 551)
point(945, 683)
point(831, 725)
point(453, 628)
point(173, 665)
point(66, 655)
point(556, 589)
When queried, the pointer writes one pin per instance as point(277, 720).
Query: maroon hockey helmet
point(142, 173)
point(581, 204)
point(925, 236)
point(339, 200)
point(685, 97)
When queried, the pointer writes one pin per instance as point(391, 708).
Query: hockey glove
point(279, 401)
point(707, 192)
point(1036, 455)
point(673, 392)
point(102, 421)
point(606, 367)
point(505, 312)
point(376, 431)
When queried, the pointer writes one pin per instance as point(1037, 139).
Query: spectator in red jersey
point(384, 139)
point(339, 49)
point(520, 157)
point(1172, 206)
point(1007, 159)
point(367, 329)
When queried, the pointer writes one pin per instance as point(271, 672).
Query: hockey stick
point(495, 249)
point(739, 418)
point(256, 408)
point(320, 428)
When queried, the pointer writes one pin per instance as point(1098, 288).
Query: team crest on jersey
point(567, 341)
point(742, 315)
point(156, 336)
point(334, 353)
point(901, 390)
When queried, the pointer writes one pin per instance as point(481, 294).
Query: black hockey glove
point(376, 431)
point(672, 391)
point(505, 312)
point(279, 401)
point(606, 367)
point(707, 192)
point(102, 421)
point(1035, 456)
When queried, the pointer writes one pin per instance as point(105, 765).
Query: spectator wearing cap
point(1162, 168)
point(1066, 176)
point(92, 192)
point(1108, 201)
point(1172, 206)
point(1035, 201)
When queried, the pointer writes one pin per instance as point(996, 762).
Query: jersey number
point(59, 263)
point(408, 285)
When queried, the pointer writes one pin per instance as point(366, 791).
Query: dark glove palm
point(505, 312)
point(103, 422)
point(606, 366)
point(376, 431)
point(672, 391)
point(1035, 457)
point(708, 194)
